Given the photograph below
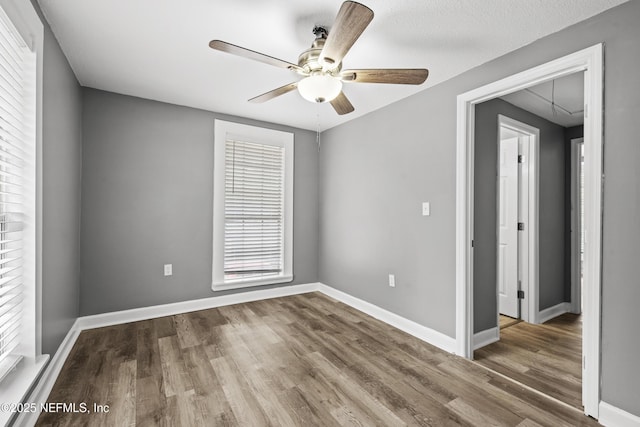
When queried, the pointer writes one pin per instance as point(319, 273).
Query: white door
point(508, 228)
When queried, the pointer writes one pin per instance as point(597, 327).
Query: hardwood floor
point(545, 357)
point(506, 321)
point(296, 361)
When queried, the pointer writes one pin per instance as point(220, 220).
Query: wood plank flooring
point(303, 360)
point(506, 321)
point(545, 357)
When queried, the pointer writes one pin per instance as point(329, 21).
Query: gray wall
point(376, 170)
point(62, 164)
point(375, 173)
point(552, 285)
point(147, 200)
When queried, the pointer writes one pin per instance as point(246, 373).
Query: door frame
point(528, 244)
point(589, 61)
point(576, 225)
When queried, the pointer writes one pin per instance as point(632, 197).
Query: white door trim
point(576, 225)
point(589, 60)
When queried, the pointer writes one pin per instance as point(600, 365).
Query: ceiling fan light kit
point(320, 87)
point(321, 64)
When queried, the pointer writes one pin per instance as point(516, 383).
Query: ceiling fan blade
point(402, 76)
point(342, 105)
point(256, 56)
point(274, 93)
point(351, 21)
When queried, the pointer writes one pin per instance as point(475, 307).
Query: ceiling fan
point(321, 64)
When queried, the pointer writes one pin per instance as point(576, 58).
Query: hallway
point(544, 357)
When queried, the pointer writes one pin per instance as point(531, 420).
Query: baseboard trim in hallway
point(611, 416)
point(553, 312)
point(486, 337)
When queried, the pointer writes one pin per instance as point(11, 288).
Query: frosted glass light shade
point(319, 88)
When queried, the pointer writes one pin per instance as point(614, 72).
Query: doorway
point(589, 61)
point(544, 352)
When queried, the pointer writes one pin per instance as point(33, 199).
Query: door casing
point(576, 226)
point(589, 61)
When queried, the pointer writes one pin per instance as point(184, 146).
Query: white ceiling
point(158, 49)
point(565, 94)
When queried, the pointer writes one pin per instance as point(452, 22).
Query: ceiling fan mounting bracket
point(320, 32)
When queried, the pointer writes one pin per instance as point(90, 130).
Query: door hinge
point(520, 226)
point(520, 158)
point(520, 294)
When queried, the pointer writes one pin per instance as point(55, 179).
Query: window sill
point(223, 286)
point(18, 382)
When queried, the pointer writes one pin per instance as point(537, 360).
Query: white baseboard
point(555, 311)
point(422, 332)
point(610, 416)
point(428, 335)
point(145, 313)
point(486, 337)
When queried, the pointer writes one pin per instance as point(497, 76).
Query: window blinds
point(13, 53)
point(254, 210)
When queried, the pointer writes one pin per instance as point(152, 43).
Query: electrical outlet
point(168, 269)
point(392, 280)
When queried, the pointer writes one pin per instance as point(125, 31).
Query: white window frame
point(224, 131)
point(18, 381)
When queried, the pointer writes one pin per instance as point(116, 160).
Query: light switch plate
point(168, 269)
point(426, 209)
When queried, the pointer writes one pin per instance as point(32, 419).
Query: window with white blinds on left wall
point(21, 44)
point(16, 69)
point(253, 206)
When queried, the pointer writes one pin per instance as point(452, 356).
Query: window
point(21, 37)
point(16, 67)
point(252, 206)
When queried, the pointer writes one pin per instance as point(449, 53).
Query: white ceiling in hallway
point(158, 49)
point(560, 101)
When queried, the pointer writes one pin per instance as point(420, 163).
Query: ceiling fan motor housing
point(309, 60)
